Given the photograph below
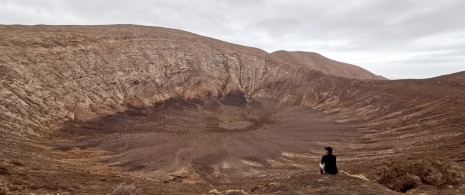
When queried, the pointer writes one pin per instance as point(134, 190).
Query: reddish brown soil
point(85, 109)
point(192, 143)
point(181, 148)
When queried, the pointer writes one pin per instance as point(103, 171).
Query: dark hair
point(329, 149)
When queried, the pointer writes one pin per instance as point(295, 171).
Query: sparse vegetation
point(2, 191)
point(405, 175)
point(126, 189)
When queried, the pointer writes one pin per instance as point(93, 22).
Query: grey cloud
point(276, 27)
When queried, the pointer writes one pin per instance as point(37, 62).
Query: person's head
point(329, 150)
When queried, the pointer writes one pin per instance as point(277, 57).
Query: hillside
point(320, 63)
point(85, 108)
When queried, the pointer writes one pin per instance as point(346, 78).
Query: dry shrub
point(405, 175)
point(125, 189)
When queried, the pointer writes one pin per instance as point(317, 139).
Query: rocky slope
point(144, 104)
point(52, 73)
point(315, 61)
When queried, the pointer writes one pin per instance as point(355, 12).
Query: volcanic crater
point(85, 108)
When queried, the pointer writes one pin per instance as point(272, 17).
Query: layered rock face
point(51, 74)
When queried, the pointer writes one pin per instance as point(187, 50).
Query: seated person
point(328, 162)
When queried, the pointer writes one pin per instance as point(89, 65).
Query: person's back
point(328, 162)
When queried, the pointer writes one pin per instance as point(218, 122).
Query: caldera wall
point(52, 74)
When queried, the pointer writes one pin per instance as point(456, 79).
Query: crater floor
point(222, 145)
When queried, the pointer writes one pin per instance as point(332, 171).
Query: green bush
point(405, 175)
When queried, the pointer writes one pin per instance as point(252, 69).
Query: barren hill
point(85, 108)
point(318, 62)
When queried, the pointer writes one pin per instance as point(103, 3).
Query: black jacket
point(330, 163)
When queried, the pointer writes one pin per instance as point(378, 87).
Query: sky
point(398, 39)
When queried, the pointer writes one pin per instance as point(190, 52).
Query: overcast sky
point(395, 39)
